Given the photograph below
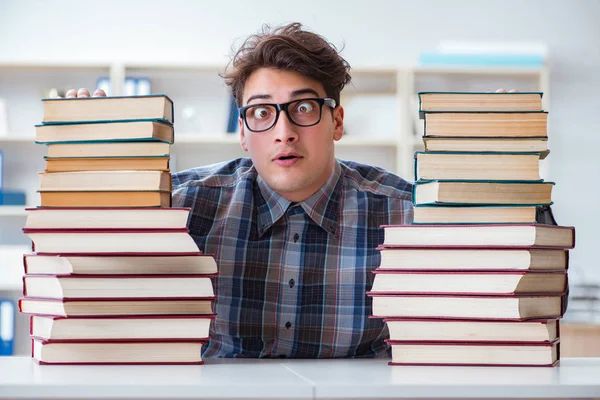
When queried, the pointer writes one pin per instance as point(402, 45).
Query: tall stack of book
point(475, 280)
point(114, 277)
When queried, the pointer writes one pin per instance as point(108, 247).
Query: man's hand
point(501, 91)
point(83, 92)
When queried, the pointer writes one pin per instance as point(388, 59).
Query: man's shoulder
point(375, 180)
point(219, 175)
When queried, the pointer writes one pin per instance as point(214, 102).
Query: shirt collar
point(322, 207)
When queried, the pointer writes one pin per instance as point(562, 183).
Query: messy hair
point(290, 48)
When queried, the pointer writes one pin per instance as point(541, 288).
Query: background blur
point(395, 48)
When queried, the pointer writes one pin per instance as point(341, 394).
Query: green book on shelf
point(470, 193)
point(492, 124)
point(479, 101)
point(487, 144)
point(477, 166)
point(85, 109)
point(105, 131)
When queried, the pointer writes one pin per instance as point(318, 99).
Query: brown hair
point(291, 48)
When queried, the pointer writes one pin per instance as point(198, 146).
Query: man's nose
point(284, 129)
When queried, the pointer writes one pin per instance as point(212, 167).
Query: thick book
point(117, 286)
point(79, 109)
point(469, 214)
point(122, 352)
point(477, 166)
point(480, 235)
point(442, 330)
point(106, 217)
point(116, 307)
point(105, 181)
point(109, 149)
point(97, 132)
point(122, 241)
point(500, 283)
point(131, 264)
point(75, 164)
point(509, 307)
point(94, 199)
point(473, 259)
point(540, 354)
point(488, 144)
point(115, 328)
point(462, 192)
point(486, 124)
point(480, 101)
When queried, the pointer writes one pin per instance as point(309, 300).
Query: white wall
point(375, 32)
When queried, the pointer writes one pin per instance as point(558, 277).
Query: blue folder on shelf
point(7, 327)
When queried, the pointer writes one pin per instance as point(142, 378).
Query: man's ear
point(242, 135)
point(338, 123)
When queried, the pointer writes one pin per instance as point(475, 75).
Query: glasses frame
point(328, 101)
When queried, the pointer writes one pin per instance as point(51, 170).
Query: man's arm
point(544, 216)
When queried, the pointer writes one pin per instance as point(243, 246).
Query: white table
point(22, 378)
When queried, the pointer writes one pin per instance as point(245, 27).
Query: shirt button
point(292, 283)
point(296, 237)
point(288, 325)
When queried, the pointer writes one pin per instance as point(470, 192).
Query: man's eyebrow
point(299, 92)
point(258, 96)
point(295, 93)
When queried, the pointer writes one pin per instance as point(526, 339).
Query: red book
point(498, 354)
point(117, 352)
point(115, 264)
point(420, 330)
point(117, 286)
point(120, 241)
point(114, 307)
point(500, 283)
point(182, 328)
point(473, 259)
point(467, 306)
point(480, 235)
point(106, 218)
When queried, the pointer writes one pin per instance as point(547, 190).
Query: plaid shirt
point(293, 276)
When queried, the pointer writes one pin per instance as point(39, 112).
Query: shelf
point(206, 138)
point(17, 138)
point(523, 71)
point(50, 63)
point(11, 287)
point(13, 211)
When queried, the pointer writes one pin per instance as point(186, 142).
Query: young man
point(293, 229)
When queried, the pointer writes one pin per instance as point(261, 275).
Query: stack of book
point(114, 276)
point(475, 280)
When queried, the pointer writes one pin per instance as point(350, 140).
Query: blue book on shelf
point(480, 60)
point(12, 198)
point(137, 86)
point(1, 171)
point(7, 327)
point(232, 122)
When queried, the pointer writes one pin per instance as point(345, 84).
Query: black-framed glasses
point(301, 112)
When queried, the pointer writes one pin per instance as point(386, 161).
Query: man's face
point(294, 161)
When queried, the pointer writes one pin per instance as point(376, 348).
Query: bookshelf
point(381, 121)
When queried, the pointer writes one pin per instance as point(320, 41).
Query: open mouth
point(287, 157)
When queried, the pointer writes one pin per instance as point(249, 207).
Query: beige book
point(104, 131)
point(105, 181)
point(477, 166)
point(112, 108)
